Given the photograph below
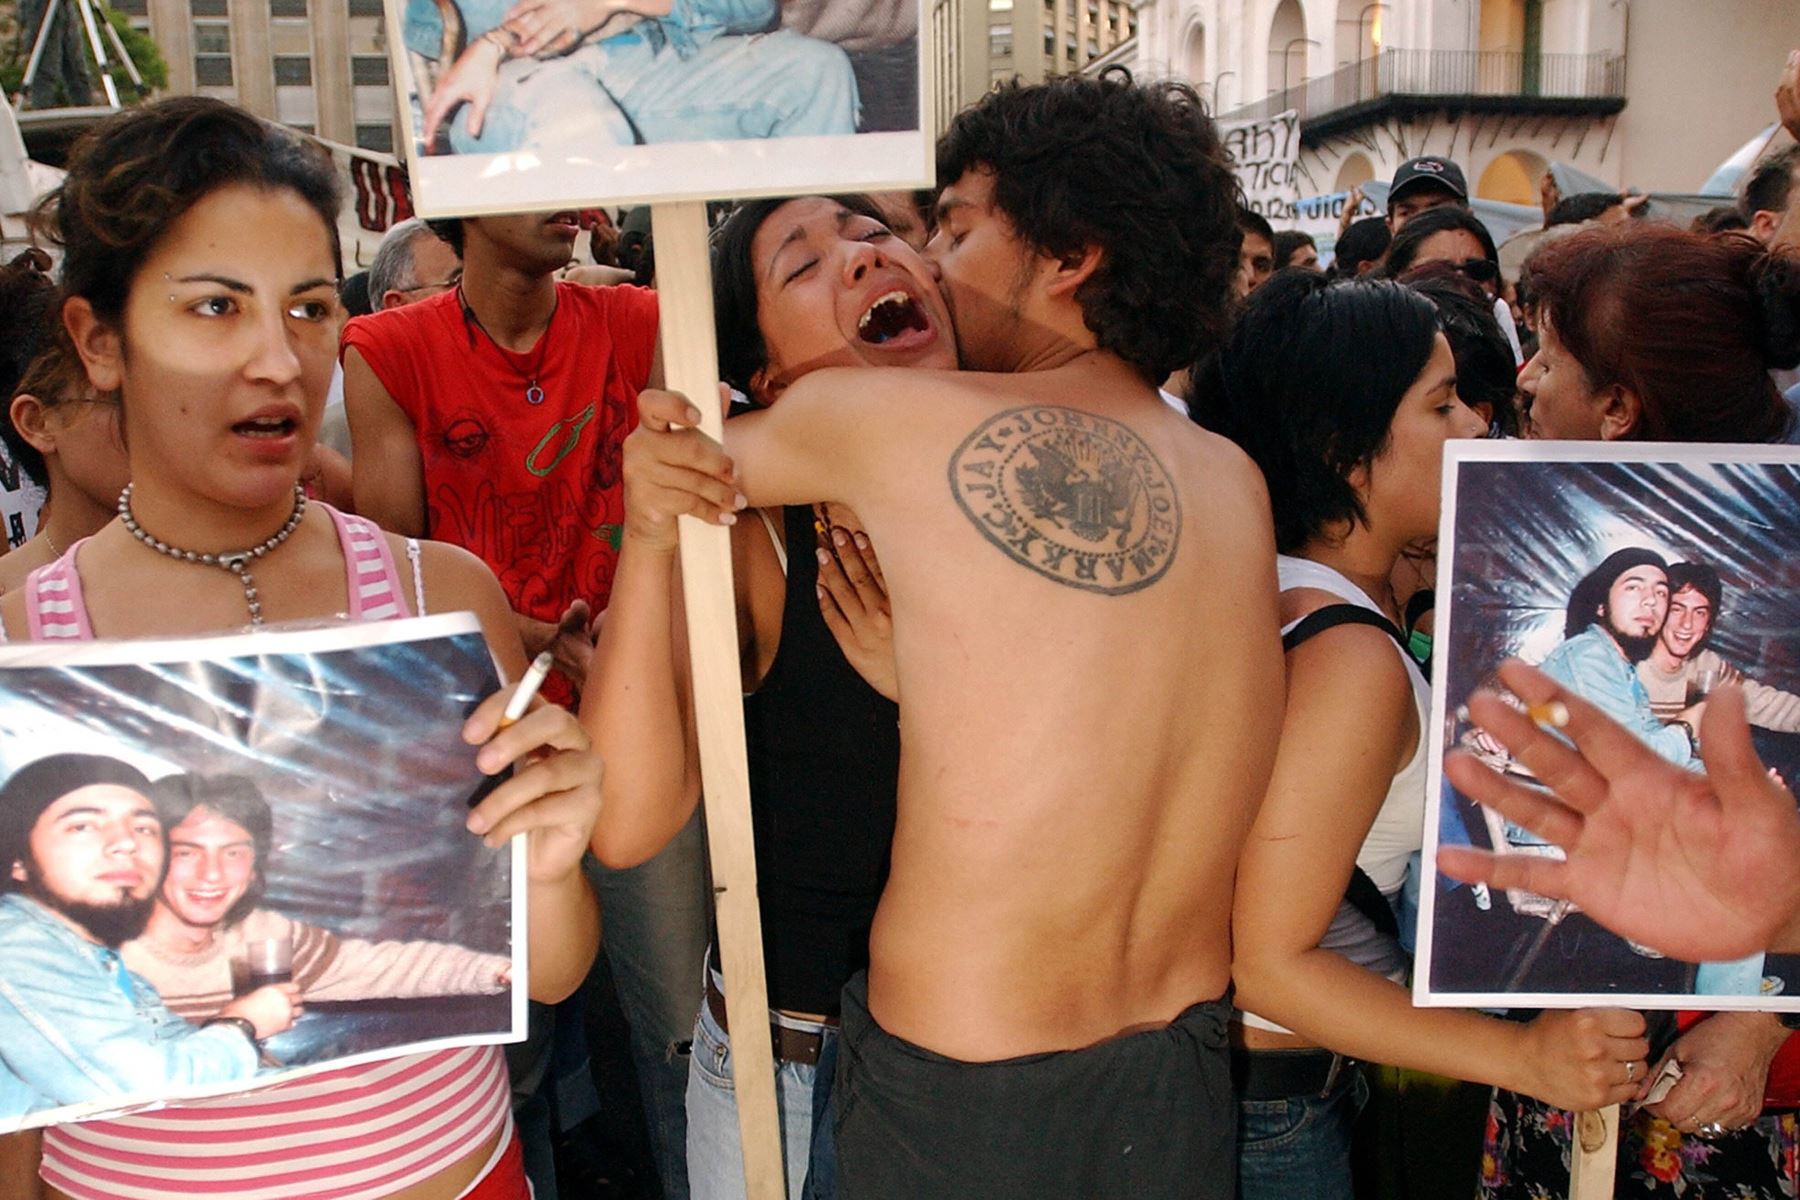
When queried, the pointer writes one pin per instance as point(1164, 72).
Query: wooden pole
point(1595, 1155)
point(690, 363)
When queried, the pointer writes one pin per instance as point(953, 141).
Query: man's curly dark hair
point(1137, 170)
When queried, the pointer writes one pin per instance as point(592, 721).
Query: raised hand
point(1787, 96)
point(1704, 867)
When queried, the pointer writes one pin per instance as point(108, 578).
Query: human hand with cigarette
point(1704, 867)
point(554, 794)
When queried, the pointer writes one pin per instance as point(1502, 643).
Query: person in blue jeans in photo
point(541, 74)
point(799, 284)
point(82, 855)
point(1350, 442)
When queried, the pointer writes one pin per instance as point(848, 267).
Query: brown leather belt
point(791, 1045)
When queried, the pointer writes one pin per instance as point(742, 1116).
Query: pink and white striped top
point(358, 1133)
point(55, 608)
point(354, 1134)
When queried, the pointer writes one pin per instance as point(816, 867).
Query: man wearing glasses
point(411, 264)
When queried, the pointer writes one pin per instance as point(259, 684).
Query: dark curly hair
point(132, 176)
point(1308, 386)
point(1137, 170)
point(742, 352)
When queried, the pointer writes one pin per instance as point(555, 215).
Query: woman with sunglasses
point(200, 277)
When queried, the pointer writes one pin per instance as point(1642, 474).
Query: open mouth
point(565, 220)
point(892, 315)
point(266, 427)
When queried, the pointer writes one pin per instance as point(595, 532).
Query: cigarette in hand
point(1554, 714)
point(528, 687)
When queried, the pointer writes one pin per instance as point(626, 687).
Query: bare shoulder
point(454, 577)
point(12, 616)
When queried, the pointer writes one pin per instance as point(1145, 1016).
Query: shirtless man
point(1062, 863)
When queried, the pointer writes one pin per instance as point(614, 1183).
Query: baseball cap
point(1428, 170)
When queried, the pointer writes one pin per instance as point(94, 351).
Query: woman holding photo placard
point(200, 278)
point(1344, 394)
point(1652, 333)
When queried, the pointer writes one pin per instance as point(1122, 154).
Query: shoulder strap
point(373, 582)
point(1333, 615)
point(1366, 898)
point(1361, 893)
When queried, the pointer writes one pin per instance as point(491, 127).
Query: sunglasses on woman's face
point(1480, 270)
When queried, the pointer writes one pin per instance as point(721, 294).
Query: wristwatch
point(243, 1024)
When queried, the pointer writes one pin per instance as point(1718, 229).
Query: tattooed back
point(1083, 591)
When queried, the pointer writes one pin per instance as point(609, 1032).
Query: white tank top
point(1399, 824)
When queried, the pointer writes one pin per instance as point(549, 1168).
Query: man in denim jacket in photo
point(82, 855)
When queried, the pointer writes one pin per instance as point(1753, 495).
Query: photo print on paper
point(1640, 578)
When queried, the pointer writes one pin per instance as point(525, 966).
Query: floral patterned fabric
point(1526, 1157)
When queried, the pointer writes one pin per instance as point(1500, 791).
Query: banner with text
point(1267, 154)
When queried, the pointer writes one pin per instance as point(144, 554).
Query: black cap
point(1428, 171)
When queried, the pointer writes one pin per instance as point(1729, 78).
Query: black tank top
point(824, 758)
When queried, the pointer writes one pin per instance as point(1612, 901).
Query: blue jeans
point(732, 86)
point(802, 1098)
point(655, 924)
point(1300, 1146)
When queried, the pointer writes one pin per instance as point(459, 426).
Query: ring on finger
point(1631, 1071)
point(1711, 1129)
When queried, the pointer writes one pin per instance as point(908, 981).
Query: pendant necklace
point(236, 561)
point(534, 394)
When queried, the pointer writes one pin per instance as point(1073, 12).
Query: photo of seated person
point(558, 73)
point(208, 914)
point(83, 855)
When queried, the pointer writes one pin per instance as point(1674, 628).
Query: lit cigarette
point(528, 687)
point(1554, 714)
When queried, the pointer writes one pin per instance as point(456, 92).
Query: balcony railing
point(1498, 74)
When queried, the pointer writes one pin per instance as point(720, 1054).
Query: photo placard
point(1640, 577)
point(538, 105)
point(194, 829)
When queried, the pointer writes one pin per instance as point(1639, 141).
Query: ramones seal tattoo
point(1076, 497)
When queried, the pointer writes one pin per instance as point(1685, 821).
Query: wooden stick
point(1594, 1158)
point(690, 362)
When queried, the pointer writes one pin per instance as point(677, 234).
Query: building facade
point(1650, 94)
point(978, 43)
point(318, 65)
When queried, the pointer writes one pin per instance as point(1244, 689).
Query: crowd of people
point(1009, 470)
